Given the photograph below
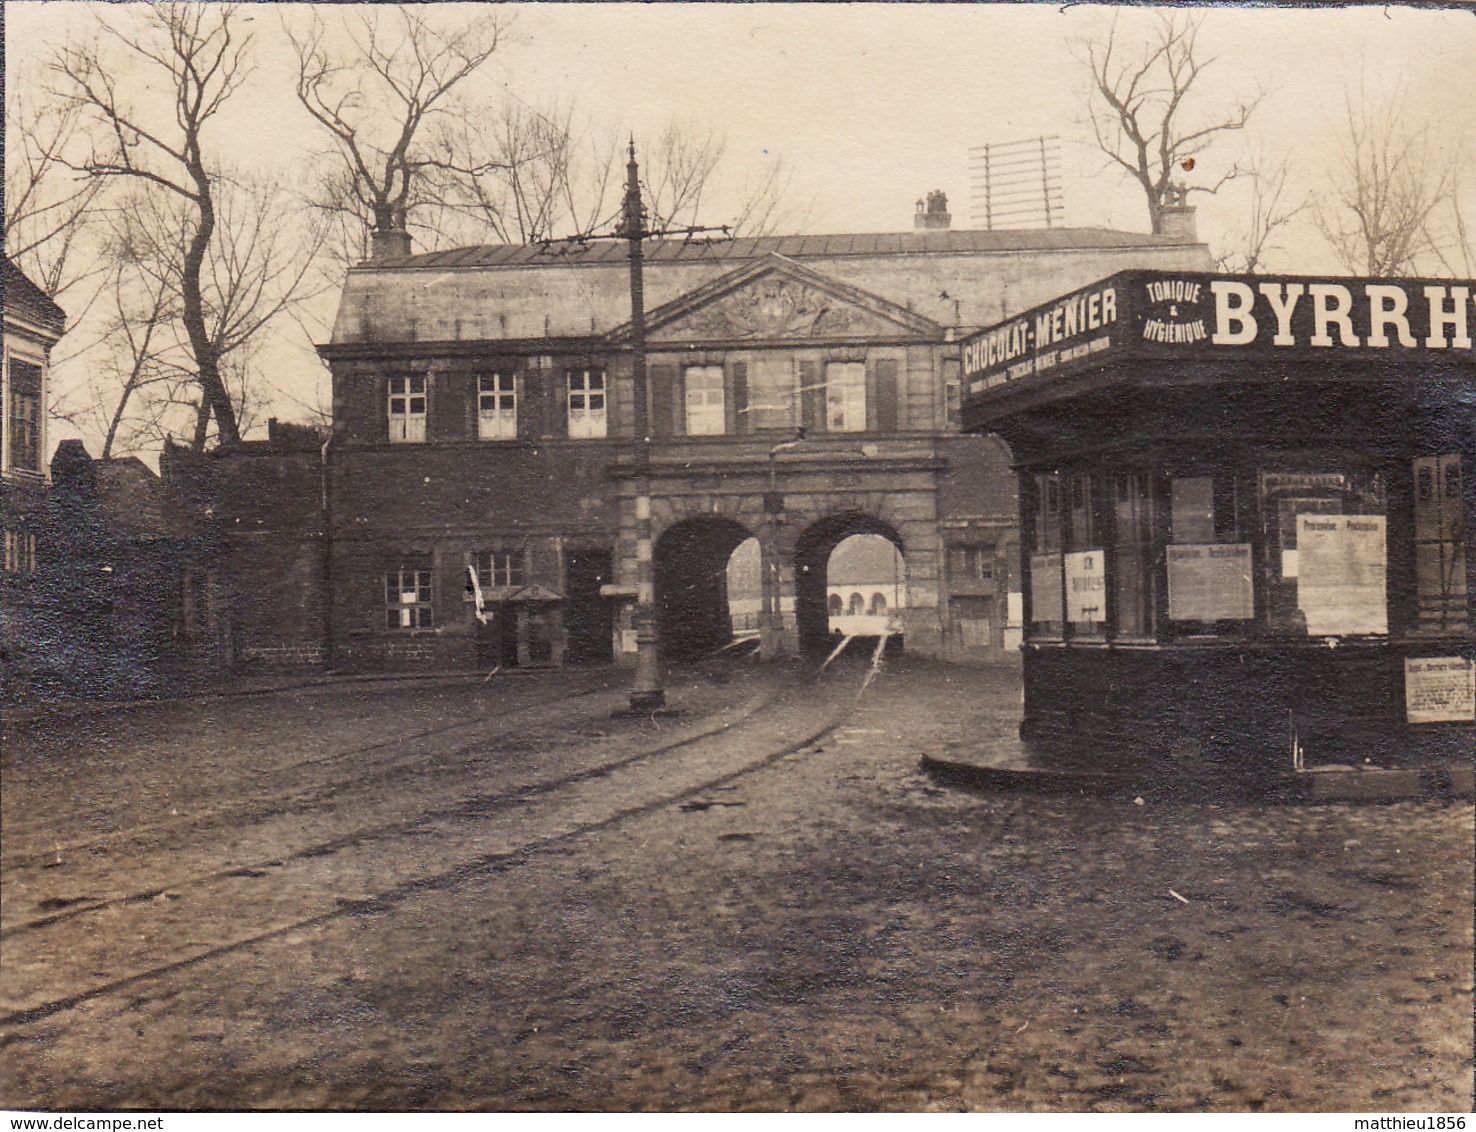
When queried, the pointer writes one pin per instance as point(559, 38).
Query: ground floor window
point(499, 569)
point(407, 597)
point(20, 553)
point(970, 564)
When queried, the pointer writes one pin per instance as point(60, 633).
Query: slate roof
point(24, 296)
point(525, 296)
point(932, 241)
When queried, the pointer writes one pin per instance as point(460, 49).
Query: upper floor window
point(705, 409)
point(845, 397)
point(407, 598)
point(499, 569)
point(407, 409)
point(23, 415)
point(586, 404)
point(773, 394)
point(497, 406)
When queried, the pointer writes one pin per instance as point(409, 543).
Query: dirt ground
point(831, 931)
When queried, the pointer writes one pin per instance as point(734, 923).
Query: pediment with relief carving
point(782, 301)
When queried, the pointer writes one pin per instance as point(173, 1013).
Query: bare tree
point(1389, 206)
point(1143, 110)
point(45, 200)
point(1272, 208)
point(384, 97)
point(197, 54)
point(255, 269)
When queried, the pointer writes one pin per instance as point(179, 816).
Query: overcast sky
point(873, 105)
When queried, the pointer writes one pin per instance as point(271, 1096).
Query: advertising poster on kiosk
point(1341, 574)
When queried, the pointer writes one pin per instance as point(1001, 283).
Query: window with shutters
point(497, 406)
point(407, 597)
point(586, 404)
point(23, 416)
point(845, 397)
point(705, 408)
point(407, 402)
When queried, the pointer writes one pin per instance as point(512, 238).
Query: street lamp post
point(771, 608)
point(646, 693)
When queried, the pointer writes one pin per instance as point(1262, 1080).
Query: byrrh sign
point(1189, 315)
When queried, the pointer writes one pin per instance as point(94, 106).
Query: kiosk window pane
point(1440, 543)
point(1192, 504)
point(1325, 555)
point(1133, 576)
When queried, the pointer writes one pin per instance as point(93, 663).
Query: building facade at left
point(108, 592)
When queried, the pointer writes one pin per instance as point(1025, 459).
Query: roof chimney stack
point(933, 213)
point(1176, 215)
point(388, 243)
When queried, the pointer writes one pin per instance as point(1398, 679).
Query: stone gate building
point(482, 428)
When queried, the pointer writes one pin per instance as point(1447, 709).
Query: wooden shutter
point(449, 397)
point(886, 395)
point(812, 398)
point(740, 399)
point(530, 405)
point(678, 401)
point(661, 378)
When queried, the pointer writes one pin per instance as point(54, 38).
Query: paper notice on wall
point(1086, 587)
point(628, 641)
point(1211, 582)
point(1045, 587)
point(1341, 574)
point(1440, 689)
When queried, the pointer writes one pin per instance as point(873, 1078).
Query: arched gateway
point(811, 561)
point(691, 561)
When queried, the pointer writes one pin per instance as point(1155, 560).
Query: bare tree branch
point(1381, 211)
point(382, 102)
point(1272, 209)
point(197, 53)
point(1138, 106)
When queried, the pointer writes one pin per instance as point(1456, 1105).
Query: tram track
point(548, 831)
point(207, 817)
point(477, 805)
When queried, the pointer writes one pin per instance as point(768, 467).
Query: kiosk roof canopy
point(1190, 317)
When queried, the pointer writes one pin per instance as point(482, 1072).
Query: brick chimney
point(388, 243)
point(1177, 221)
point(933, 213)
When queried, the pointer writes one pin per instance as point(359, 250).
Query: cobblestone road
point(831, 931)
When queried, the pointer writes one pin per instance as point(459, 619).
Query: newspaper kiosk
point(1245, 504)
